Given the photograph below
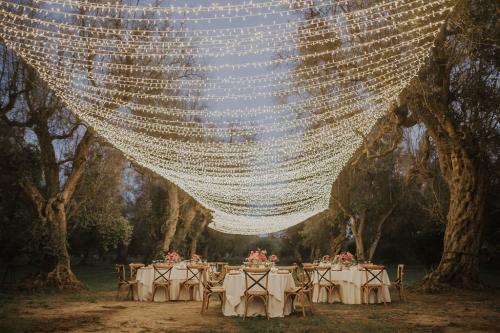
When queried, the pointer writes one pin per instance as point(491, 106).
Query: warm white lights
point(247, 106)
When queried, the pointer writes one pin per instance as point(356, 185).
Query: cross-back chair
point(256, 286)
point(304, 293)
point(398, 283)
point(325, 281)
point(229, 268)
point(192, 281)
point(374, 283)
point(210, 288)
point(162, 280)
point(130, 284)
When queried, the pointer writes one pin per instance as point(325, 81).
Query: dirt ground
point(99, 312)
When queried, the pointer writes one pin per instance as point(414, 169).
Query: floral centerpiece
point(172, 257)
point(344, 258)
point(257, 257)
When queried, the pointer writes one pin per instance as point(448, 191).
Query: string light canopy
point(252, 107)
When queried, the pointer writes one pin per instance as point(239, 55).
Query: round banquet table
point(234, 285)
point(145, 276)
point(350, 281)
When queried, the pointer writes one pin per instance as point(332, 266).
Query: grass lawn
point(96, 310)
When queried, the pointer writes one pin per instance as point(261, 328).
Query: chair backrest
point(307, 282)
point(308, 264)
point(193, 273)
point(134, 266)
point(220, 266)
point(204, 271)
point(256, 279)
point(373, 275)
point(120, 270)
point(213, 267)
point(162, 272)
point(324, 274)
point(228, 268)
point(400, 273)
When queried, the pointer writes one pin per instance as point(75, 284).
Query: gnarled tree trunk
point(188, 216)
point(196, 235)
point(378, 233)
point(459, 265)
point(55, 267)
point(172, 217)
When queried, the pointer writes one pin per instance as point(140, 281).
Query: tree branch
point(378, 233)
point(34, 194)
point(67, 135)
point(78, 168)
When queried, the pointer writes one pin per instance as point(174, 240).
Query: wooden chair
point(325, 282)
point(398, 283)
point(216, 270)
point(193, 280)
point(210, 288)
point(124, 282)
point(373, 276)
point(161, 275)
point(256, 286)
point(220, 265)
point(305, 290)
point(228, 268)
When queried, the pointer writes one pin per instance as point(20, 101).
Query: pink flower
point(326, 257)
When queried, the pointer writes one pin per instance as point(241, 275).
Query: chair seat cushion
point(257, 292)
point(217, 289)
point(161, 283)
point(190, 283)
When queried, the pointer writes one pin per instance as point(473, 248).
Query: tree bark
point(197, 234)
point(337, 241)
point(188, 216)
point(462, 164)
point(378, 233)
point(459, 265)
point(357, 231)
point(172, 217)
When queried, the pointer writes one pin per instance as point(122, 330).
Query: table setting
point(350, 276)
point(145, 277)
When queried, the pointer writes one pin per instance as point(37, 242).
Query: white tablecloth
point(350, 281)
point(145, 276)
point(235, 301)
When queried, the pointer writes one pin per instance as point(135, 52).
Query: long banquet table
point(145, 276)
point(234, 284)
point(350, 281)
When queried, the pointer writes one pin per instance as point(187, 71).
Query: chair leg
point(266, 305)
point(154, 292)
point(132, 292)
point(311, 301)
point(303, 303)
point(246, 307)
